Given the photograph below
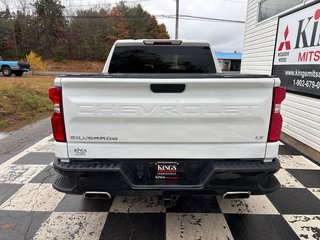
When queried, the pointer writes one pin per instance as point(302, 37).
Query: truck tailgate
point(216, 118)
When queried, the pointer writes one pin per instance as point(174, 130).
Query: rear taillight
point(279, 95)
point(58, 130)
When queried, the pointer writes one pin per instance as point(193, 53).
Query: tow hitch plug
point(169, 200)
point(140, 170)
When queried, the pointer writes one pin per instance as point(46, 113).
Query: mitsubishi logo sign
point(285, 43)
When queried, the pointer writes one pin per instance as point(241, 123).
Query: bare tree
point(22, 5)
point(5, 4)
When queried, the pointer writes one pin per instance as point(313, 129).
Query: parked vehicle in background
point(13, 67)
point(163, 119)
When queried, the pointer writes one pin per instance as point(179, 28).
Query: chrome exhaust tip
point(97, 195)
point(235, 195)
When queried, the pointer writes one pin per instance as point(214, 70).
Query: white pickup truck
point(163, 119)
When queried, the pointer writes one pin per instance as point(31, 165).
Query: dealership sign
point(297, 51)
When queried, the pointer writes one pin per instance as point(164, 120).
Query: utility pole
point(177, 19)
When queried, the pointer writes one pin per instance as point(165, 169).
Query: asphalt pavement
point(31, 209)
point(23, 138)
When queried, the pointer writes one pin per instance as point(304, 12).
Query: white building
point(229, 61)
point(299, 34)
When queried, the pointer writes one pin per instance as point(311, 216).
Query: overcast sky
point(224, 36)
point(227, 37)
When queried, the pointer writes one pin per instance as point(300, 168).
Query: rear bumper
point(23, 69)
point(24, 66)
point(130, 177)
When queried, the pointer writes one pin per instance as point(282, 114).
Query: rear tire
point(18, 73)
point(6, 71)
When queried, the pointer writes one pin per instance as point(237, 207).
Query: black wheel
point(6, 71)
point(18, 73)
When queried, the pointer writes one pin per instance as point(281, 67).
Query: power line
point(234, 1)
point(213, 19)
point(182, 17)
point(105, 4)
point(114, 2)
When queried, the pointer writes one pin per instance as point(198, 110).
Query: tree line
point(84, 35)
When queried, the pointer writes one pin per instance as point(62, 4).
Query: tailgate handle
point(167, 88)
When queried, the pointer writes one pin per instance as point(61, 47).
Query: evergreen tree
point(87, 35)
point(50, 26)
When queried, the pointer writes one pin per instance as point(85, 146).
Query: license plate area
point(166, 170)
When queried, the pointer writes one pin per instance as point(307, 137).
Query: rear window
point(162, 59)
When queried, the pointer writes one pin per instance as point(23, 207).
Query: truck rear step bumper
point(131, 177)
